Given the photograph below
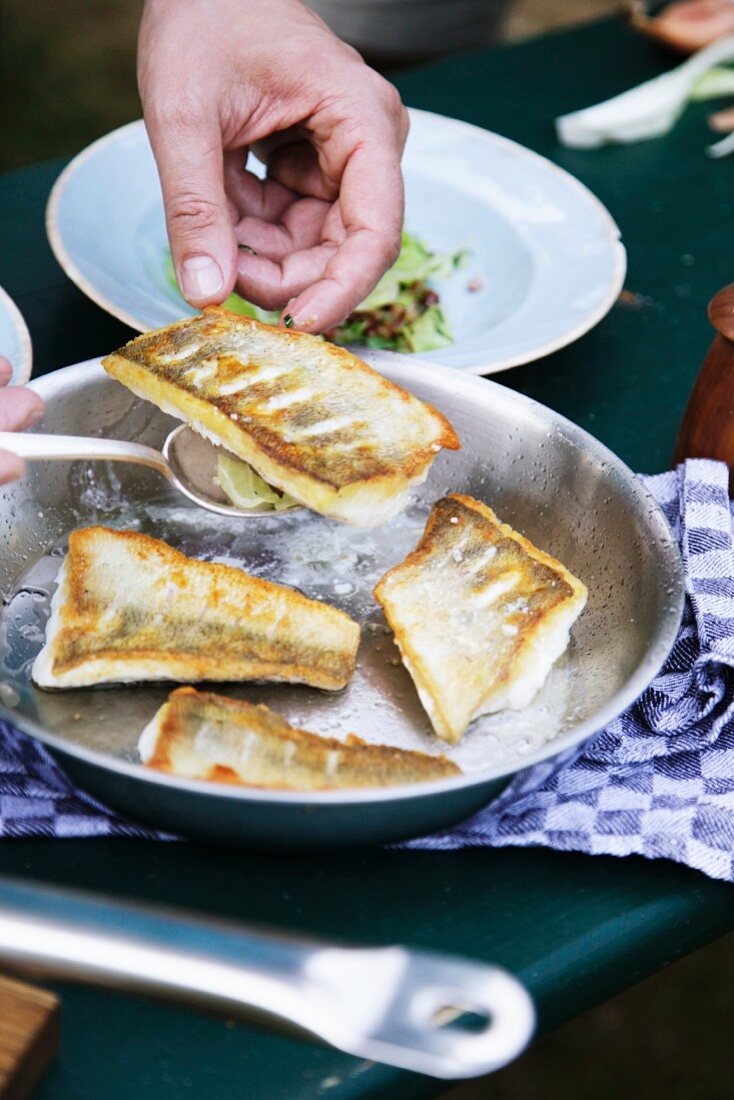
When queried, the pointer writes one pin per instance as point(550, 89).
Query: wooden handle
point(29, 1035)
point(721, 311)
point(707, 429)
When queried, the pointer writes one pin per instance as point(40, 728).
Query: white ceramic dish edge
point(23, 369)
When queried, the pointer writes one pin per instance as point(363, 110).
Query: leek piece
point(649, 110)
point(246, 489)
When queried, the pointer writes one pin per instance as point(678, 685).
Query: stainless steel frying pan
point(542, 474)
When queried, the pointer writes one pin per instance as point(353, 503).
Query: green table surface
point(576, 929)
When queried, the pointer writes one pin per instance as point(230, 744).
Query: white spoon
point(187, 461)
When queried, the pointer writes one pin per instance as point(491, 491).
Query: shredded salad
point(246, 489)
point(403, 312)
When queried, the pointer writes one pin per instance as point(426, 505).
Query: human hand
point(219, 79)
point(19, 408)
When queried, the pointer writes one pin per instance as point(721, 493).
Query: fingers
point(277, 274)
point(6, 371)
point(20, 408)
point(261, 198)
point(284, 258)
point(11, 467)
point(272, 283)
point(371, 202)
point(322, 283)
point(271, 220)
point(296, 166)
point(302, 227)
point(187, 145)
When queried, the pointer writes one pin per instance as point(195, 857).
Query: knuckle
point(388, 243)
point(392, 100)
point(389, 98)
point(173, 112)
point(390, 105)
point(404, 124)
point(191, 214)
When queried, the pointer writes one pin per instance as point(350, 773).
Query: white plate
point(15, 340)
point(546, 251)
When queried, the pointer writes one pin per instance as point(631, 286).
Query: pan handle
point(387, 1004)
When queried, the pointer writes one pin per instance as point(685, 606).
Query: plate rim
point(593, 316)
point(572, 739)
point(25, 368)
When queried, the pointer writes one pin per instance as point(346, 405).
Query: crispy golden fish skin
point(311, 418)
point(479, 614)
point(202, 735)
point(130, 608)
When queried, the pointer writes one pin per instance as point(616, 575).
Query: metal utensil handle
point(386, 1004)
point(68, 448)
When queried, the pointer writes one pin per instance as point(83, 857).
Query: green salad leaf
point(414, 264)
point(403, 312)
point(246, 489)
point(429, 330)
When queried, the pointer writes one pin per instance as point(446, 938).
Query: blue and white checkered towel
point(658, 781)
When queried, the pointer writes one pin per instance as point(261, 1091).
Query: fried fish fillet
point(479, 613)
point(130, 608)
point(200, 735)
point(311, 418)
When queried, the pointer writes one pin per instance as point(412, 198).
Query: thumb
point(188, 152)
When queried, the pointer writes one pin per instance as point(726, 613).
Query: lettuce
point(415, 264)
point(402, 313)
point(246, 489)
point(428, 331)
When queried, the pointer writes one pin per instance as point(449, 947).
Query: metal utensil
point(388, 1004)
point(187, 460)
point(545, 476)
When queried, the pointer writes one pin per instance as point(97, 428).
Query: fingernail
point(303, 324)
point(201, 277)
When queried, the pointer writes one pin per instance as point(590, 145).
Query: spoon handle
point(66, 448)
